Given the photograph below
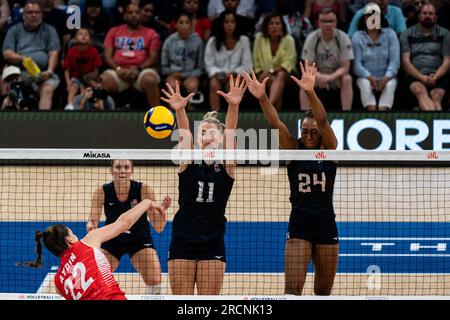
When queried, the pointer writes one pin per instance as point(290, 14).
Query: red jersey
point(131, 48)
point(80, 62)
point(85, 274)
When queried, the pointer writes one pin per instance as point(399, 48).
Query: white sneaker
point(69, 107)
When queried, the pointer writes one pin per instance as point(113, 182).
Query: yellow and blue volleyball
point(159, 122)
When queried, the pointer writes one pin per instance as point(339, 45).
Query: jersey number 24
point(305, 184)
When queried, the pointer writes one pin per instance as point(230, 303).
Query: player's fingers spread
point(265, 81)
point(165, 92)
point(177, 87)
point(170, 88)
point(221, 93)
point(302, 69)
point(190, 96)
point(165, 100)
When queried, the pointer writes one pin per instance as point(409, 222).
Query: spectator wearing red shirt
point(81, 59)
point(131, 53)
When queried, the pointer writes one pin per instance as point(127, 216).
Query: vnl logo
point(74, 17)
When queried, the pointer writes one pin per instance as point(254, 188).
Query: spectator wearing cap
point(9, 75)
point(132, 53)
point(426, 59)
point(39, 41)
point(377, 60)
point(393, 15)
point(331, 50)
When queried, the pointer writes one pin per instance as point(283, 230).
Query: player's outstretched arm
point(125, 221)
point(179, 103)
point(258, 90)
point(233, 98)
point(96, 209)
point(307, 83)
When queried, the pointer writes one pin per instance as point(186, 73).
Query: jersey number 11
point(201, 185)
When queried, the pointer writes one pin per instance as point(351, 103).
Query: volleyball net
point(392, 211)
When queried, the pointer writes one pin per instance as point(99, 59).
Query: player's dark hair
point(308, 114)
point(184, 14)
point(55, 239)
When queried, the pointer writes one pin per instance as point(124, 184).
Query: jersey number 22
point(305, 182)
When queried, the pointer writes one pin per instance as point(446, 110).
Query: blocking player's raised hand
point(256, 88)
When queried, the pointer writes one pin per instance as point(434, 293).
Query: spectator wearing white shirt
point(227, 53)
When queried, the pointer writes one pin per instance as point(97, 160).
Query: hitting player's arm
point(98, 198)
point(125, 221)
point(157, 220)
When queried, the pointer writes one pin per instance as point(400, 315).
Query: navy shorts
point(315, 232)
point(188, 250)
point(126, 243)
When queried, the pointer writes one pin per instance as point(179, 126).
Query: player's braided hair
point(211, 117)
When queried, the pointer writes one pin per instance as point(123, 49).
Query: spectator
point(131, 53)
point(182, 58)
point(151, 20)
point(274, 56)
point(4, 13)
point(411, 11)
point(227, 53)
point(93, 96)
point(297, 24)
point(200, 25)
point(56, 18)
point(95, 20)
point(426, 59)
point(39, 41)
point(14, 93)
point(244, 8)
point(81, 59)
point(377, 59)
point(314, 7)
point(331, 50)
point(247, 25)
point(393, 15)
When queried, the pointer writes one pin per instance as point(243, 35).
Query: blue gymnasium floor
point(256, 247)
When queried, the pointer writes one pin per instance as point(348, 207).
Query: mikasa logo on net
point(96, 155)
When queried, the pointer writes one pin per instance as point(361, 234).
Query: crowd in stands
point(124, 51)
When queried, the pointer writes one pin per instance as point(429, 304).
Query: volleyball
point(159, 122)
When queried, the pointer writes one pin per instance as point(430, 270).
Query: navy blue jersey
point(114, 208)
point(311, 184)
point(203, 195)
